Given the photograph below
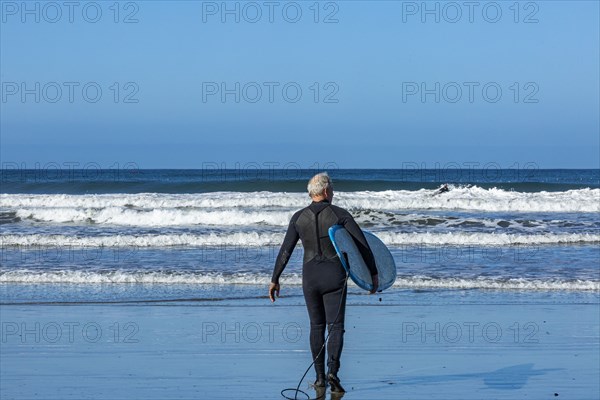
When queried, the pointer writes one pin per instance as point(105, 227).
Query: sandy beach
point(525, 348)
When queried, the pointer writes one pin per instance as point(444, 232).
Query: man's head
point(320, 187)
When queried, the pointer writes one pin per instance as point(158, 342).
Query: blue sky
point(381, 83)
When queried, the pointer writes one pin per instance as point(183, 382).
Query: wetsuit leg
point(335, 301)
point(316, 314)
point(325, 296)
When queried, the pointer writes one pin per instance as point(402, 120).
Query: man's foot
point(334, 382)
point(337, 395)
point(320, 393)
point(321, 382)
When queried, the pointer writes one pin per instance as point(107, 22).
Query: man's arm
point(287, 247)
point(285, 252)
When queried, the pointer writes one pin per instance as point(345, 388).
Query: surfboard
point(355, 265)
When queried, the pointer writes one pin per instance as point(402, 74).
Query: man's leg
point(316, 313)
point(317, 339)
point(335, 310)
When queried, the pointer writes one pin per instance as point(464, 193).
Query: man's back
point(311, 225)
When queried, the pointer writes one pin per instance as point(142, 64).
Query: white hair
point(318, 183)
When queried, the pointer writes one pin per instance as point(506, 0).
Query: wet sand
point(256, 349)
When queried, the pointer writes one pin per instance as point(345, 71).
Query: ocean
point(135, 235)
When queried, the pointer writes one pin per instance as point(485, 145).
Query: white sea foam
point(145, 277)
point(249, 239)
point(497, 284)
point(252, 239)
point(211, 200)
point(220, 217)
point(156, 217)
point(484, 239)
point(188, 278)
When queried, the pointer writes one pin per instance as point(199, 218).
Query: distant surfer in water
point(323, 276)
point(443, 189)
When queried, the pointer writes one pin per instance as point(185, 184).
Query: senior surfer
point(323, 276)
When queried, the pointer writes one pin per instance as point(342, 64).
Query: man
point(323, 276)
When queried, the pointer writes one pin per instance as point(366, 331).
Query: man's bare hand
point(375, 284)
point(273, 288)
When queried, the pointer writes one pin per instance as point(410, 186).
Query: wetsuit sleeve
point(287, 247)
point(361, 242)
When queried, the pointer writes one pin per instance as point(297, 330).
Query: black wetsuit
point(323, 275)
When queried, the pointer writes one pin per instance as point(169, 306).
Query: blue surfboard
point(355, 265)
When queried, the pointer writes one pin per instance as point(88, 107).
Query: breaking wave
point(231, 208)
